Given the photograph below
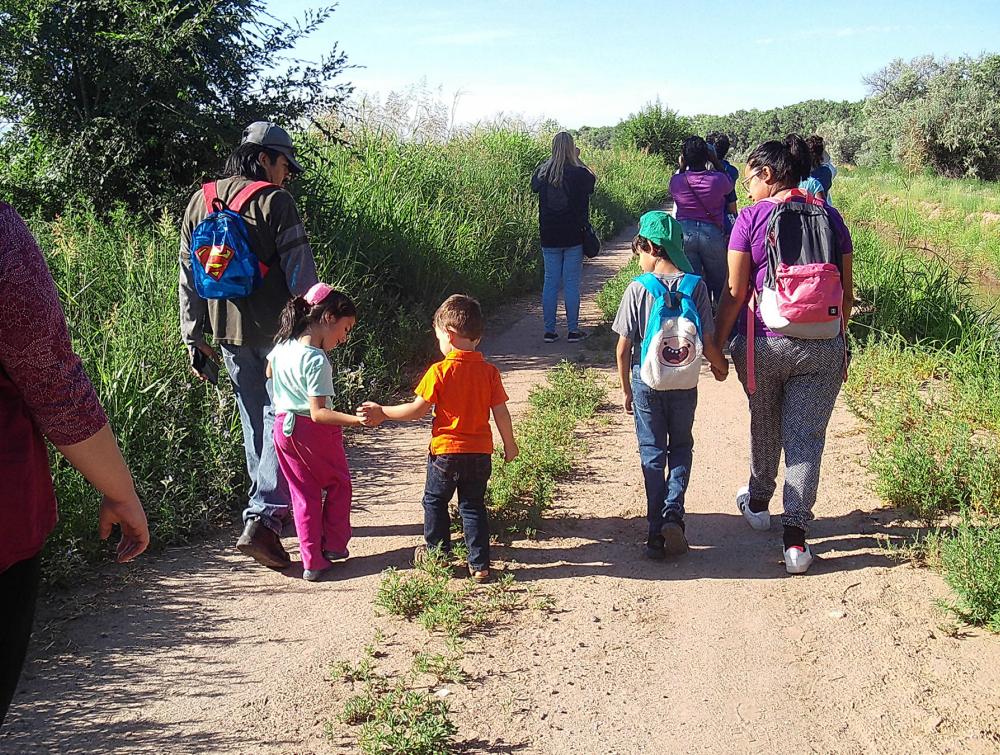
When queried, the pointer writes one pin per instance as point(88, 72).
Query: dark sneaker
point(576, 336)
point(674, 541)
point(314, 575)
point(262, 545)
point(550, 337)
point(654, 548)
point(337, 555)
point(288, 528)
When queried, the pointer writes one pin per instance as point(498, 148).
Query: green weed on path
point(520, 491)
point(926, 372)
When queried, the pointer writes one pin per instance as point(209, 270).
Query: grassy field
point(398, 226)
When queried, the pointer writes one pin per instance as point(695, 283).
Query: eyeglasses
point(746, 181)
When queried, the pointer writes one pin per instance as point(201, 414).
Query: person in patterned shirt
point(44, 391)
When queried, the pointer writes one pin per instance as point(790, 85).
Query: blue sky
point(595, 62)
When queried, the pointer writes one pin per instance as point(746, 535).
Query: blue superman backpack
point(672, 345)
point(222, 262)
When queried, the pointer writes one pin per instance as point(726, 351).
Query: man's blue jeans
point(269, 500)
point(663, 425)
point(467, 473)
point(705, 246)
point(563, 266)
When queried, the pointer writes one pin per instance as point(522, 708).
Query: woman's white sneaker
point(758, 520)
point(797, 559)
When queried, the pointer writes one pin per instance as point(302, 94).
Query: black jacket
point(562, 210)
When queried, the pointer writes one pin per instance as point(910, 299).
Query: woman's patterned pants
point(797, 385)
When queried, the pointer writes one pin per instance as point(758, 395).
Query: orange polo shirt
point(463, 387)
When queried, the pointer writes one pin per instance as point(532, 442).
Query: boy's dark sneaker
point(550, 337)
point(654, 548)
point(576, 336)
point(674, 541)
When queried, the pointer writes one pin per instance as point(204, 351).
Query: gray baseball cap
point(274, 137)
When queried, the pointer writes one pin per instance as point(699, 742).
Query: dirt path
point(201, 651)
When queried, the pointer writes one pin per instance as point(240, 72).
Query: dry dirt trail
point(201, 651)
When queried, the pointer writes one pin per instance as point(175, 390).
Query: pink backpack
point(803, 294)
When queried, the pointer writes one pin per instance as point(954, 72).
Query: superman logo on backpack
point(222, 262)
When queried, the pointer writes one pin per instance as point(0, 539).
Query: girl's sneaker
point(337, 555)
point(797, 559)
point(314, 575)
point(758, 520)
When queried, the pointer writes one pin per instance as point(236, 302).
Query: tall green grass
point(399, 226)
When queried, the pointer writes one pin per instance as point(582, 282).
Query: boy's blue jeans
point(467, 473)
point(562, 265)
point(663, 424)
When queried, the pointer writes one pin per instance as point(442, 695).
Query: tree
point(656, 129)
point(135, 100)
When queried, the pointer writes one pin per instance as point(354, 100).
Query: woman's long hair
point(563, 154)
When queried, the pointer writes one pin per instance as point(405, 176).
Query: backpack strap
point(246, 194)
point(211, 193)
point(688, 284)
point(751, 322)
point(652, 284)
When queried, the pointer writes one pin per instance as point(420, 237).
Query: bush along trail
point(580, 645)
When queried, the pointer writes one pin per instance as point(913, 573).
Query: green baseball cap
point(664, 231)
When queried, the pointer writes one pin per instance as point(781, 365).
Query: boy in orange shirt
point(463, 388)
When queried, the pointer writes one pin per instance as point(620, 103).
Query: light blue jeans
point(705, 246)
point(563, 266)
point(269, 499)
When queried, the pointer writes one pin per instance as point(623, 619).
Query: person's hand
point(209, 353)
point(627, 400)
point(371, 414)
point(510, 451)
point(720, 371)
point(130, 517)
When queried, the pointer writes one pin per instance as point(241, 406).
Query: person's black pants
point(18, 594)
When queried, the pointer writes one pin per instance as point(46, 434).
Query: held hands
point(371, 414)
point(128, 515)
point(720, 371)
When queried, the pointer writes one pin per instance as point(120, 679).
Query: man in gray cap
point(243, 328)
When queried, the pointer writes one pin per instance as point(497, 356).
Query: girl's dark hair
point(695, 152)
point(721, 143)
point(299, 314)
point(642, 244)
point(243, 162)
point(790, 160)
point(816, 148)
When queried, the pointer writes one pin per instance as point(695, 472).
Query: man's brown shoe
point(263, 545)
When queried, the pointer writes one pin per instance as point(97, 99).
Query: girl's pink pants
point(313, 461)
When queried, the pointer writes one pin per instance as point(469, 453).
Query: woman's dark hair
point(642, 244)
point(243, 162)
point(695, 152)
point(790, 160)
point(299, 314)
point(816, 148)
point(721, 143)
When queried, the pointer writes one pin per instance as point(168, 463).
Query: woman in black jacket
point(564, 185)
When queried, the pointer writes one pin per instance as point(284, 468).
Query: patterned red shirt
point(43, 391)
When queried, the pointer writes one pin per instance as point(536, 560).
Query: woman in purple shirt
point(699, 197)
point(797, 379)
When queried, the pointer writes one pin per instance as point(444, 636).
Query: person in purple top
point(797, 379)
point(699, 195)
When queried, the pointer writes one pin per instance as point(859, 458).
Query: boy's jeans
point(663, 423)
point(270, 501)
point(468, 473)
point(563, 264)
point(705, 247)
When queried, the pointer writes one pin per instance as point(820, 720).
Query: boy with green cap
point(663, 419)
